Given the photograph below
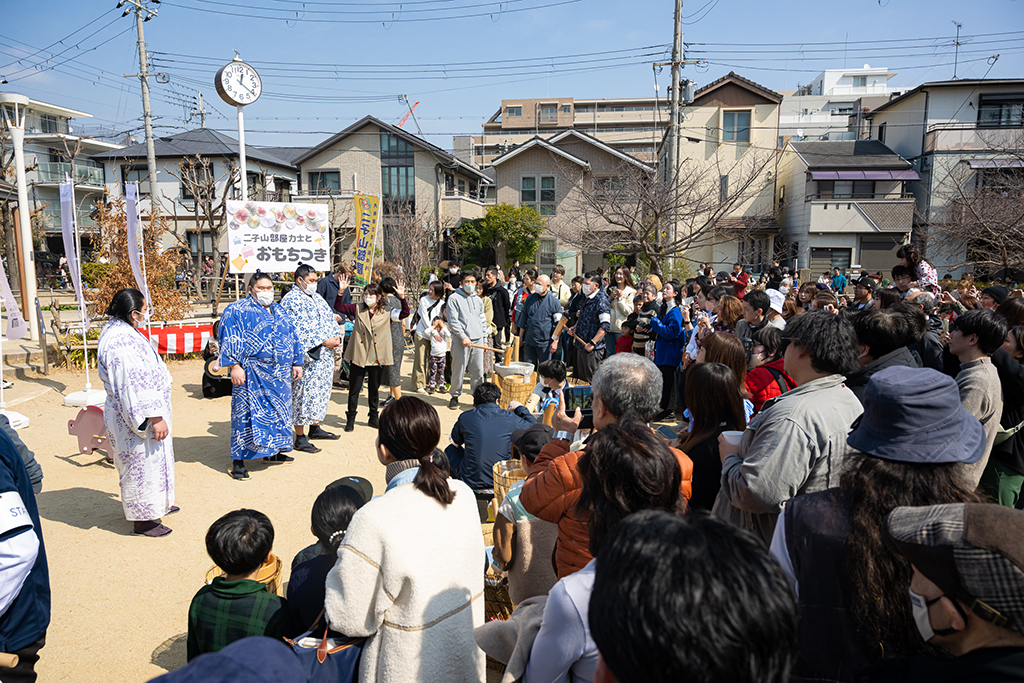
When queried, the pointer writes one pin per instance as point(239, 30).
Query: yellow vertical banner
point(367, 209)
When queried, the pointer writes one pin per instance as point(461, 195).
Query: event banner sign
point(367, 208)
point(275, 237)
point(134, 247)
point(69, 231)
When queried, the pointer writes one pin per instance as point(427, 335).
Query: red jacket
point(552, 491)
point(740, 285)
point(762, 385)
point(624, 344)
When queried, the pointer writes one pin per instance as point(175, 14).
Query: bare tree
point(980, 222)
point(635, 211)
point(199, 196)
point(407, 240)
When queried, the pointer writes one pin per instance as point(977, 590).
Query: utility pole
point(140, 8)
point(202, 111)
point(956, 45)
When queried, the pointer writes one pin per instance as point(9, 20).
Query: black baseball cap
point(362, 487)
point(529, 441)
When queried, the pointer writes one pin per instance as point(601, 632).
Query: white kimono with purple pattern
point(138, 387)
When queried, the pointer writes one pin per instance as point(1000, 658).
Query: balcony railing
point(833, 197)
point(888, 213)
point(968, 136)
point(82, 173)
point(466, 194)
point(51, 219)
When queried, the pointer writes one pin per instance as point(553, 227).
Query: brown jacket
point(370, 343)
point(552, 491)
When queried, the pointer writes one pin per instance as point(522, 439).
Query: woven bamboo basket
point(269, 574)
point(515, 388)
point(506, 474)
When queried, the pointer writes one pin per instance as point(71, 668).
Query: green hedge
point(93, 273)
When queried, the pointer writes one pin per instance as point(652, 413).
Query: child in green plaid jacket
point(235, 606)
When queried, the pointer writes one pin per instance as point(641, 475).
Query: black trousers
point(25, 672)
point(587, 363)
point(355, 385)
point(668, 384)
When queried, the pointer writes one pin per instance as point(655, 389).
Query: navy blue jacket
point(328, 288)
point(485, 434)
point(538, 319)
point(26, 619)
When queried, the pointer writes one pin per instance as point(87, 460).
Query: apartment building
point(633, 126)
point(958, 135)
point(827, 107)
point(55, 151)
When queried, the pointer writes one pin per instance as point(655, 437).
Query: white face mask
point(453, 271)
point(919, 606)
point(538, 288)
point(370, 301)
point(307, 288)
point(593, 291)
point(265, 298)
point(145, 317)
point(469, 289)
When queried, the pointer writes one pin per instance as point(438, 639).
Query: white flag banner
point(134, 248)
point(69, 229)
point(16, 327)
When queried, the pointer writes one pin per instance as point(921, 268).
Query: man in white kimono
point(137, 415)
point(319, 335)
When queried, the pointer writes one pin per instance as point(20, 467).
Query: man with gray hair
point(625, 386)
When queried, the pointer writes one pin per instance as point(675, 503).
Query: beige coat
point(370, 343)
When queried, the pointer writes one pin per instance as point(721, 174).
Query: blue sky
point(320, 74)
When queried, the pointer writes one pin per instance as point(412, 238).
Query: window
point(472, 190)
point(1001, 112)
point(131, 174)
point(736, 126)
point(462, 187)
point(48, 123)
point(539, 192)
point(826, 188)
point(513, 112)
point(881, 132)
point(324, 182)
point(843, 189)
point(860, 81)
point(449, 183)
point(609, 186)
point(185, 190)
point(397, 171)
point(283, 188)
point(864, 189)
point(723, 188)
point(782, 196)
point(548, 113)
point(566, 109)
point(546, 254)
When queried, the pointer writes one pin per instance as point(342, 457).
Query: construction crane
point(408, 114)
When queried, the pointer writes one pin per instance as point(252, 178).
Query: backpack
point(780, 379)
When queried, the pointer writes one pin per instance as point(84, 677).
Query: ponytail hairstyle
point(410, 429)
point(124, 303)
point(302, 271)
point(678, 298)
point(332, 512)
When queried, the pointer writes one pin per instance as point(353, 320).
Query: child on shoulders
point(235, 606)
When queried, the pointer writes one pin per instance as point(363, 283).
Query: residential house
point(843, 204)
point(52, 152)
point(632, 125)
point(822, 109)
point(129, 164)
point(553, 175)
point(958, 134)
point(729, 134)
point(409, 173)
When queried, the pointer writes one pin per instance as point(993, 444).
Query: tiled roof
point(852, 154)
point(202, 141)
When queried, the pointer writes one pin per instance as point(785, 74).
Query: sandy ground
point(120, 601)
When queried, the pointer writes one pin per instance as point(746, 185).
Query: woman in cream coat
point(410, 571)
point(620, 300)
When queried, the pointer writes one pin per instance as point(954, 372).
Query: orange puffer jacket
point(552, 491)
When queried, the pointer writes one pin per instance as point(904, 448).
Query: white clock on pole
point(238, 83)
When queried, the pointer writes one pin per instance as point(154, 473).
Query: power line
point(393, 18)
point(304, 11)
point(39, 68)
point(58, 42)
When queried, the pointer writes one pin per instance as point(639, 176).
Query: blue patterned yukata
point(314, 324)
point(264, 343)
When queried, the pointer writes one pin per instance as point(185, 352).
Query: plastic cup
point(733, 437)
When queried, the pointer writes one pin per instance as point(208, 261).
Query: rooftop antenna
point(956, 44)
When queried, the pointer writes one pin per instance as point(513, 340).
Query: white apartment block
point(827, 107)
point(633, 126)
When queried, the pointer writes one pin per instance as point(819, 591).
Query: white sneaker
point(421, 391)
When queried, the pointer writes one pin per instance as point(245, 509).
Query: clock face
point(239, 84)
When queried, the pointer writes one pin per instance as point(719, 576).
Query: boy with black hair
point(902, 278)
point(883, 339)
point(976, 336)
point(235, 606)
point(550, 379)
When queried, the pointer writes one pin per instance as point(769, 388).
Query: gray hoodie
point(795, 445)
point(466, 316)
